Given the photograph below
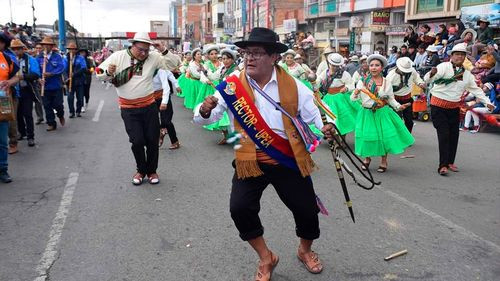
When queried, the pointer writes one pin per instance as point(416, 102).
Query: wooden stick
point(44, 67)
point(70, 84)
point(395, 255)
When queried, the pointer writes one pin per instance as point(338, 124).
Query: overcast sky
point(99, 16)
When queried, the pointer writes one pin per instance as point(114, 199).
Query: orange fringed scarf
point(246, 157)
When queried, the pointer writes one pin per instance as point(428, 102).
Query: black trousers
point(446, 122)
point(53, 99)
point(296, 192)
point(166, 120)
point(407, 114)
point(25, 123)
point(86, 91)
point(143, 129)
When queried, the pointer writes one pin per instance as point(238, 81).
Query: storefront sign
point(352, 41)
point(395, 30)
point(342, 32)
point(290, 25)
point(381, 17)
point(329, 26)
point(377, 28)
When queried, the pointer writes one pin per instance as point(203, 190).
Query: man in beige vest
point(256, 163)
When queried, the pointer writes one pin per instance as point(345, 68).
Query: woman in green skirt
point(336, 87)
point(193, 85)
point(183, 80)
point(295, 69)
point(379, 129)
point(208, 74)
point(229, 67)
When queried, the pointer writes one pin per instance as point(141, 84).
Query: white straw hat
point(335, 59)
point(405, 64)
point(141, 37)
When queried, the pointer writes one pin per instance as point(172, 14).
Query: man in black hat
point(257, 100)
point(484, 37)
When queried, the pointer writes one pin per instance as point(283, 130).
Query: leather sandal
point(453, 168)
point(163, 133)
point(365, 165)
point(443, 171)
point(381, 169)
point(137, 179)
point(312, 263)
point(175, 145)
point(260, 276)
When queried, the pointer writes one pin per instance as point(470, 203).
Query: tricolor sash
point(247, 115)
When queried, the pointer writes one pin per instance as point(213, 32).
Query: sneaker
point(474, 130)
point(78, 115)
point(72, 115)
point(464, 129)
point(83, 109)
point(31, 142)
point(39, 121)
point(138, 179)
point(20, 138)
point(5, 177)
point(51, 128)
point(153, 178)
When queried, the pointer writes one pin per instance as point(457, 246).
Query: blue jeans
point(53, 99)
point(79, 91)
point(4, 145)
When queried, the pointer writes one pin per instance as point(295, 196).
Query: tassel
point(248, 169)
point(322, 208)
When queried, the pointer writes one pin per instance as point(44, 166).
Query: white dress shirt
point(272, 116)
point(160, 81)
point(453, 91)
point(345, 80)
point(395, 79)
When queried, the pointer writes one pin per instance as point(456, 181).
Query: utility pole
point(10, 7)
point(34, 18)
point(62, 27)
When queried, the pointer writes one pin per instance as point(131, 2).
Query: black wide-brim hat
point(84, 50)
point(263, 36)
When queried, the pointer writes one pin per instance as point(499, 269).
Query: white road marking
point(98, 111)
point(442, 220)
point(51, 253)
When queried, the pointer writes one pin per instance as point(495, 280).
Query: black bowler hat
point(263, 36)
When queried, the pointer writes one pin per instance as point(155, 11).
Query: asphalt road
point(72, 214)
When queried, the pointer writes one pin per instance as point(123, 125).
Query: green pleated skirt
point(346, 111)
point(380, 133)
point(182, 80)
point(190, 90)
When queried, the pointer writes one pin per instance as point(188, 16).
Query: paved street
point(72, 214)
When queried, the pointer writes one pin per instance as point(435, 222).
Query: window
point(464, 3)
point(429, 6)
point(330, 6)
point(320, 26)
point(343, 24)
point(313, 9)
point(398, 18)
point(220, 20)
